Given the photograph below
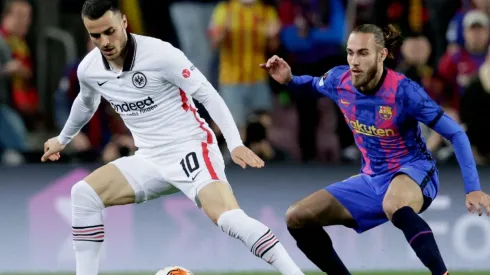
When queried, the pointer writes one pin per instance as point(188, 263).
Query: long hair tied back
point(388, 37)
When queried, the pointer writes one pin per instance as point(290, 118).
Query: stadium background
point(305, 142)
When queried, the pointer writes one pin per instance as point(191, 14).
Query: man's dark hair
point(389, 37)
point(95, 9)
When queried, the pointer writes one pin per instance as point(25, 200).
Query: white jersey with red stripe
point(152, 93)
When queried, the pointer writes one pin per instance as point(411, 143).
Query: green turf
point(262, 273)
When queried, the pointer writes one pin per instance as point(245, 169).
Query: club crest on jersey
point(139, 80)
point(385, 112)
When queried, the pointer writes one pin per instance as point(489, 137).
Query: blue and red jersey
point(385, 121)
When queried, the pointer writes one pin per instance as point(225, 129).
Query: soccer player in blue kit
point(398, 178)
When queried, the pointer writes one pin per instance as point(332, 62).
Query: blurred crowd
point(445, 50)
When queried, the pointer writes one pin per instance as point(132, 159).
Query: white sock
point(88, 228)
point(259, 238)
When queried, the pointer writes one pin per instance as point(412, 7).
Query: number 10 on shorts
point(189, 163)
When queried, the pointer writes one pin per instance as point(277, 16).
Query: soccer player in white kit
point(151, 85)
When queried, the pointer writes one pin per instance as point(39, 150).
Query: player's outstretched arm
point(427, 111)
point(452, 131)
point(221, 115)
point(82, 110)
point(281, 72)
point(279, 69)
point(193, 83)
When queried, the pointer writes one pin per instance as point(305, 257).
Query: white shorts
point(187, 168)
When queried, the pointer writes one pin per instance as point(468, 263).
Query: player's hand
point(52, 149)
point(278, 69)
point(477, 200)
point(244, 156)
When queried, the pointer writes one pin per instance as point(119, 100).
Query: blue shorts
point(363, 195)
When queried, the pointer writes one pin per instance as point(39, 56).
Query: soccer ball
point(174, 270)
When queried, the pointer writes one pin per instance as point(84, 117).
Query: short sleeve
point(177, 69)
point(419, 105)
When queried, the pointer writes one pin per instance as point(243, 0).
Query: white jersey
point(153, 94)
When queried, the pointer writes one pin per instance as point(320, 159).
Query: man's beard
point(367, 77)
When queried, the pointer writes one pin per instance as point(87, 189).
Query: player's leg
point(404, 199)
point(351, 203)
point(219, 203)
point(110, 185)
point(104, 187)
point(305, 220)
point(203, 180)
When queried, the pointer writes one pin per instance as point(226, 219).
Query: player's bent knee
point(390, 207)
point(293, 218)
point(84, 197)
point(391, 204)
point(403, 191)
point(297, 217)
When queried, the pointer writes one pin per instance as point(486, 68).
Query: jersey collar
point(130, 56)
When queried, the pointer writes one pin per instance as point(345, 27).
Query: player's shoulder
point(153, 46)
point(337, 73)
point(89, 63)
point(332, 78)
point(409, 88)
point(155, 51)
point(405, 83)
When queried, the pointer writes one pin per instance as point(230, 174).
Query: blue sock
point(420, 237)
point(317, 246)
